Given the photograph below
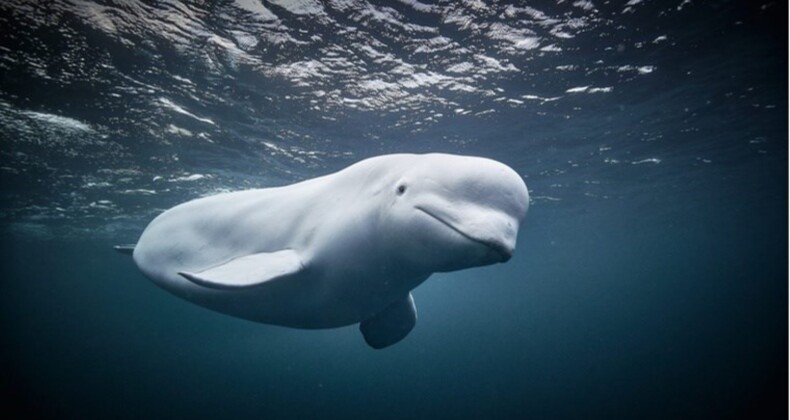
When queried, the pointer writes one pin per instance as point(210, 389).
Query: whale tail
point(124, 249)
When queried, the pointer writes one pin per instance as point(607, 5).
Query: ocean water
point(650, 278)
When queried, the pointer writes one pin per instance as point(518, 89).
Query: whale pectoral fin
point(250, 270)
point(391, 325)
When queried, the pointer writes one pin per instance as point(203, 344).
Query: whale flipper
point(391, 324)
point(250, 270)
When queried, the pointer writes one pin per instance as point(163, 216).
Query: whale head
point(451, 212)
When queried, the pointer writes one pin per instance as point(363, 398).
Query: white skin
point(365, 236)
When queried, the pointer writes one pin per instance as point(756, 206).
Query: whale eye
point(401, 189)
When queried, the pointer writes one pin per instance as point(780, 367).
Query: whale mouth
point(499, 249)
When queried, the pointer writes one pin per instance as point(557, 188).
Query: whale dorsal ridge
point(249, 270)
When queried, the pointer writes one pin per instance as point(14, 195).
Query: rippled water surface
point(650, 279)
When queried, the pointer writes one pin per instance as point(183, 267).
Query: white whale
point(340, 249)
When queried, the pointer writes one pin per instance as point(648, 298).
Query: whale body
point(340, 249)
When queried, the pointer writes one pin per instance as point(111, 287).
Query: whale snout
point(494, 230)
point(503, 252)
point(501, 244)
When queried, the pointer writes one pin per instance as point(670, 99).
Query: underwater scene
point(620, 252)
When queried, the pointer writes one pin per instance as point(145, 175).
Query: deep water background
point(650, 279)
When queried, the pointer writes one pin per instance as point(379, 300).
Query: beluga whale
point(341, 249)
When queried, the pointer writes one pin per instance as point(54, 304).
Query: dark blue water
point(650, 279)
